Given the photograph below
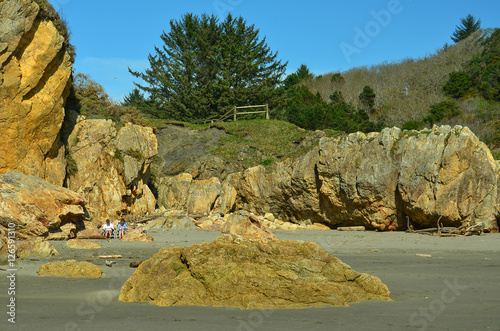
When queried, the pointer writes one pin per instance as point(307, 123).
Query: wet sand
point(455, 289)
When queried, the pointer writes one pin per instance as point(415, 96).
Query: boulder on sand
point(82, 244)
point(35, 246)
point(234, 271)
point(248, 226)
point(136, 235)
point(70, 269)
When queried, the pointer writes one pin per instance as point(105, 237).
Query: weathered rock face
point(112, 167)
point(173, 219)
point(457, 183)
point(180, 147)
point(236, 272)
point(70, 269)
point(383, 181)
point(195, 196)
point(36, 207)
point(4, 250)
point(35, 68)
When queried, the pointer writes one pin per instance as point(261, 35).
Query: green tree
point(458, 85)
point(367, 98)
point(441, 110)
point(303, 72)
point(469, 25)
point(206, 67)
point(299, 75)
point(309, 111)
point(485, 68)
point(137, 100)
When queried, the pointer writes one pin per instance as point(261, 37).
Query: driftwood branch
point(464, 230)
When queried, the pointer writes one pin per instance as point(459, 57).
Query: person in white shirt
point(108, 228)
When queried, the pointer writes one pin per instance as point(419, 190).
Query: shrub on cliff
point(90, 99)
point(47, 12)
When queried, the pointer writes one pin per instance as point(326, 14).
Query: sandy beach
point(435, 283)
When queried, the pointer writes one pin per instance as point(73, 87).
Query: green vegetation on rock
point(255, 142)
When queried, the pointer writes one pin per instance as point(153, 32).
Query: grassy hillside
point(404, 90)
point(263, 142)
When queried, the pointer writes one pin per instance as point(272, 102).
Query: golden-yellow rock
point(34, 83)
point(70, 269)
point(82, 244)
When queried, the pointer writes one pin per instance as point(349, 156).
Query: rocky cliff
point(35, 67)
point(106, 163)
point(110, 166)
point(387, 181)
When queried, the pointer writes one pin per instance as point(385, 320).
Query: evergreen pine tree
point(206, 67)
point(367, 98)
point(469, 25)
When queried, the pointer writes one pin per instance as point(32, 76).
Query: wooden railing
point(234, 113)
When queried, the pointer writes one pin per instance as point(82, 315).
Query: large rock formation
point(250, 270)
point(383, 181)
point(35, 207)
point(35, 66)
point(112, 166)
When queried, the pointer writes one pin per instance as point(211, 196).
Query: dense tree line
point(309, 111)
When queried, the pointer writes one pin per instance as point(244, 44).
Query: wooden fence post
point(235, 114)
point(267, 111)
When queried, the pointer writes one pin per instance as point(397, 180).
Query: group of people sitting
point(108, 228)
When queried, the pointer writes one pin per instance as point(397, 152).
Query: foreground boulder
point(35, 207)
point(35, 67)
point(237, 272)
point(247, 267)
point(70, 269)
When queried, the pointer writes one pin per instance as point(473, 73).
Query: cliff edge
point(35, 70)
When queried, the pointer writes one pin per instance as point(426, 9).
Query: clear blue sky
point(326, 35)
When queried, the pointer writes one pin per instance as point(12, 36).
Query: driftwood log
point(467, 229)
